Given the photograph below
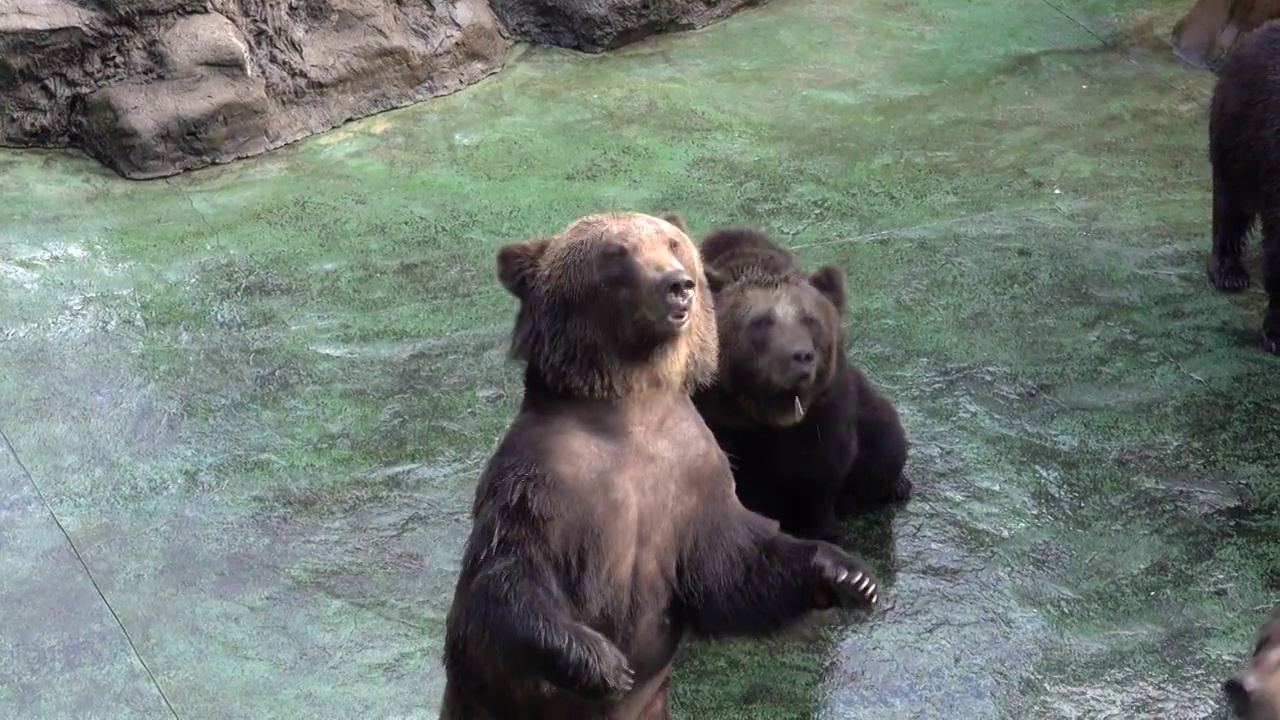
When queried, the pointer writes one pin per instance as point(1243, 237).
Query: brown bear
point(810, 439)
point(1244, 118)
point(605, 526)
point(1254, 692)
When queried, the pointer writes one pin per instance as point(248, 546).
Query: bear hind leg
point(1231, 225)
point(1271, 276)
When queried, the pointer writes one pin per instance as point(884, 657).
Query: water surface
point(257, 396)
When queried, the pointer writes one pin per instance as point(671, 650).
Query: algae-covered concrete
point(256, 397)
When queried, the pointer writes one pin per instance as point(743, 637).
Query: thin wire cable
point(80, 558)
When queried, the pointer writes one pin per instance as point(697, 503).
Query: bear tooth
point(799, 409)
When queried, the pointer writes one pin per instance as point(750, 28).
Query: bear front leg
point(1230, 229)
point(740, 577)
point(876, 477)
point(515, 612)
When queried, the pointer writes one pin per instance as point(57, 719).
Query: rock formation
point(597, 25)
point(155, 87)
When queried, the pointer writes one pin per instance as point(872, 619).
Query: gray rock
point(205, 40)
point(153, 129)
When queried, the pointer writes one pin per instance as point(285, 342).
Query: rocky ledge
point(154, 87)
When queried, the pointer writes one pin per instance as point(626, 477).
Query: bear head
point(612, 304)
point(1254, 692)
point(781, 338)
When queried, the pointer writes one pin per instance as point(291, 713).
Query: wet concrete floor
point(256, 397)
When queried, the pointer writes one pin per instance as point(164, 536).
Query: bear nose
point(678, 287)
point(1238, 697)
point(803, 358)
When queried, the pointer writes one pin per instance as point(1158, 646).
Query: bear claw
point(620, 681)
point(609, 672)
point(901, 490)
point(1228, 276)
point(843, 585)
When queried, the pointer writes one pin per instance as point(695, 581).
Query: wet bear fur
point(810, 439)
point(1244, 151)
point(1254, 692)
point(605, 526)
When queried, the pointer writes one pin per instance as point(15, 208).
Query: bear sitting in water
point(1244, 119)
point(810, 439)
point(605, 524)
point(1254, 692)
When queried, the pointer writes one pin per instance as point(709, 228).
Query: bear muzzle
point(676, 288)
point(804, 366)
point(1239, 692)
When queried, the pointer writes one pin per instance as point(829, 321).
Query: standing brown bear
point(1254, 692)
point(810, 439)
point(605, 525)
point(1244, 150)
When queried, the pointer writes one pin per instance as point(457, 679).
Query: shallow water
point(257, 396)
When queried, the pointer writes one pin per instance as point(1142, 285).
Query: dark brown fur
point(805, 452)
point(1254, 692)
point(605, 524)
point(1244, 150)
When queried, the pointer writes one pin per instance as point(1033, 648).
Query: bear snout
point(804, 361)
point(677, 289)
point(1239, 696)
point(801, 368)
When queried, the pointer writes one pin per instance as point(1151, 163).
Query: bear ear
point(676, 220)
point(830, 282)
point(517, 263)
point(715, 281)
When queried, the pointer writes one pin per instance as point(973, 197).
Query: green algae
point(258, 395)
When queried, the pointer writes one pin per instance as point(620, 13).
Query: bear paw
point(1227, 275)
point(900, 490)
point(1271, 342)
point(843, 581)
point(607, 672)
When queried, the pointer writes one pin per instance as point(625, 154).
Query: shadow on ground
point(257, 397)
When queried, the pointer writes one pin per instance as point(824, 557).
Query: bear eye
point(675, 244)
point(760, 322)
point(810, 322)
point(614, 252)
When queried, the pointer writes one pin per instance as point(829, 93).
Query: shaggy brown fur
point(810, 438)
point(564, 283)
point(1254, 692)
point(605, 524)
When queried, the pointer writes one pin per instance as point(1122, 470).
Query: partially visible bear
point(605, 524)
point(810, 439)
point(1254, 692)
point(1244, 123)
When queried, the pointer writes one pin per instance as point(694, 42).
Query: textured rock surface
point(1212, 27)
point(154, 87)
point(599, 25)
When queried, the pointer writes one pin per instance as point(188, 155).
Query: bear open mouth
point(679, 318)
